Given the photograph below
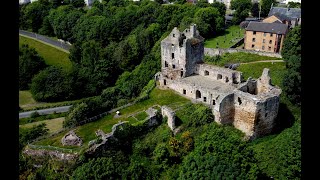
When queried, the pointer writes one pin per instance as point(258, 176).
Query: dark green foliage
point(280, 156)
point(34, 114)
point(292, 43)
point(266, 5)
point(209, 21)
point(77, 3)
point(219, 153)
point(111, 167)
point(51, 84)
point(63, 19)
point(34, 14)
point(30, 63)
point(26, 135)
point(242, 7)
point(196, 115)
point(85, 110)
point(294, 4)
point(46, 28)
point(291, 52)
point(255, 9)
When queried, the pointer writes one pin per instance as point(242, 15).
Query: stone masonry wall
point(217, 51)
point(170, 114)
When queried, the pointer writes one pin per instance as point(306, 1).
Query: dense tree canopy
point(30, 63)
point(242, 7)
point(291, 52)
point(266, 5)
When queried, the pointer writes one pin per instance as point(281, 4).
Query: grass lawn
point(87, 131)
point(51, 55)
point(238, 57)
point(255, 71)
point(53, 125)
point(26, 102)
point(230, 37)
point(141, 116)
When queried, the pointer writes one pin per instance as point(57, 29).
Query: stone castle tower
point(180, 52)
point(250, 106)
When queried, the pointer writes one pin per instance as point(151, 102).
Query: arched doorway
point(198, 94)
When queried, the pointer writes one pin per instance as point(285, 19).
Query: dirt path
point(264, 61)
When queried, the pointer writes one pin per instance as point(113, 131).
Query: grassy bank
point(232, 35)
point(51, 55)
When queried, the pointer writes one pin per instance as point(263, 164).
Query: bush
point(34, 114)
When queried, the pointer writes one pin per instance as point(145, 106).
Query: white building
point(287, 1)
point(24, 1)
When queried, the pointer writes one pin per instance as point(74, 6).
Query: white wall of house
point(287, 1)
point(24, 1)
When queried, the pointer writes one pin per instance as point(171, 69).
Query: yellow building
point(263, 36)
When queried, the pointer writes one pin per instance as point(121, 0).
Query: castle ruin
point(251, 106)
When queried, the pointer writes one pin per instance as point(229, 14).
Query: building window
point(239, 100)
point(213, 102)
point(181, 73)
point(269, 48)
point(254, 32)
point(164, 82)
point(263, 41)
point(172, 55)
point(173, 66)
point(165, 64)
point(262, 47)
point(172, 46)
point(173, 35)
point(252, 45)
point(206, 73)
point(198, 94)
point(205, 99)
point(184, 91)
point(253, 39)
point(219, 76)
point(264, 34)
point(270, 42)
point(271, 34)
point(227, 79)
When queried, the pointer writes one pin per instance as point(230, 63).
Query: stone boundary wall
point(219, 51)
point(52, 153)
point(170, 114)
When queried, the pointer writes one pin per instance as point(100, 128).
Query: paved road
point(45, 39)
point(45, 111)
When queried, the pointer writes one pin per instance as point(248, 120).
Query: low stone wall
point(171, 115)
point(219, 51)
point(54, 154)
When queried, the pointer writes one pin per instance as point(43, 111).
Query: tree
point(266, 5)
point(30, 63)
point(208, 21)
point(291, 53)
point(294, 4)
point(35, 12)
point(255, 10)
point(50, 85)
point(77, 3)
point(242, 7)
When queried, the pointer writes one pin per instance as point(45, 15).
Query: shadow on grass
point(285, 119)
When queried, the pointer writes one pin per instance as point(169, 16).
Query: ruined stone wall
point(250, 86)
point(220, 51)
point(224, 110)
point(267, 112)
point(170, 114)
point(208, 97)
point(194, 54)
point(224, 75)
point(245, 109)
